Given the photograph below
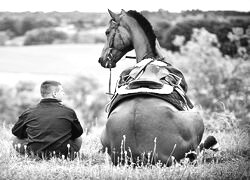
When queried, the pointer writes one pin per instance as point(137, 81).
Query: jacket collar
point(50, 100)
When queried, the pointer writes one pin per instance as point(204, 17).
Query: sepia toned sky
point(117, 5)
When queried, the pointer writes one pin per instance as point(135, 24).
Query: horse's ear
point(123, 11)
point(113, 15)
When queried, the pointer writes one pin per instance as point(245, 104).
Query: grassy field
point(231, 162)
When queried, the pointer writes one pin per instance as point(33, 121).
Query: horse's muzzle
point(106, 64)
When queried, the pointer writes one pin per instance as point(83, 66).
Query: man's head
point(52, 89)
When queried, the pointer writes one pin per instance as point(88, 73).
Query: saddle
point(174, 92)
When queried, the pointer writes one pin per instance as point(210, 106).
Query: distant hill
point(32, 28)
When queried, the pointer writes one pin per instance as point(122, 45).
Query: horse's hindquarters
point(147, 124)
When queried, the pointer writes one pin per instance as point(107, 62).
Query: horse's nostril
point(100, 60)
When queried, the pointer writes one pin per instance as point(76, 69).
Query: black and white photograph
point(133, 90)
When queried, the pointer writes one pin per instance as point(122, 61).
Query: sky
point(117, 5)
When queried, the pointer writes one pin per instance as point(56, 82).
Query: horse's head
point(118, 41)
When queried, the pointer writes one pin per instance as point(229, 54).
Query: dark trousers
point(21, 146)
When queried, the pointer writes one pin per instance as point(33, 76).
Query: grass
point(231, 162)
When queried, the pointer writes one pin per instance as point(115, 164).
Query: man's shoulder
point(29, 110)
point(65, 107)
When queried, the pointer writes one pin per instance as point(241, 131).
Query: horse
point(144, 124)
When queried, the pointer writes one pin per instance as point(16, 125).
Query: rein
point(110, 78)
point(110, 73)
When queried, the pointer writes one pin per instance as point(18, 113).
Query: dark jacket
point(48, 126)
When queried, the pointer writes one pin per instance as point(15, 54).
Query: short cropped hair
point(48, 86)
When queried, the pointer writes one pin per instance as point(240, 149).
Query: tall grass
point(231, 162)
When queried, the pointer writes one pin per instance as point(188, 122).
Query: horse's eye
point(107, 32)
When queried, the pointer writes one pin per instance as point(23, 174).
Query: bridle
point(111, 44)
point(110, 55)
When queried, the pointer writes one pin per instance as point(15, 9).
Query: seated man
point(49, 128)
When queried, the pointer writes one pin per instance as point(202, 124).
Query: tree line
point(41, 28)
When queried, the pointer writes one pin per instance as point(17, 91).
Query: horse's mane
point(146, 26)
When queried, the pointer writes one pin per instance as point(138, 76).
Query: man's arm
point(76, 127)
point(19, 128)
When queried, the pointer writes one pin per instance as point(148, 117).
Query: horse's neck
point(141, 44)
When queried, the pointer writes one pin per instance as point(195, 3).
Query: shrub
point(13, 101)
point(214, 81)
point(20, 25)
point(85, 97)
point(220, 28)
point(43, 36)
point(3, 38)
point(7, 23)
